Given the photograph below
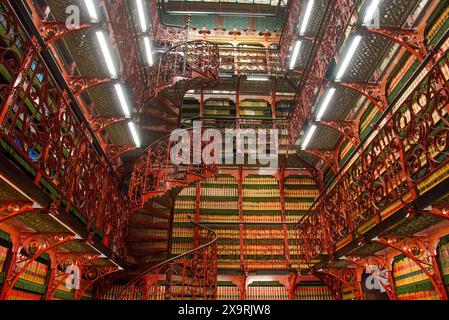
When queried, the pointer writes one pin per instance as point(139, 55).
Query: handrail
point(389, 170)
point(357, 151)
point(158, 270)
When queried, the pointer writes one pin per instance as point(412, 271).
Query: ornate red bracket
point(79, 85)
point(349, 129)
point(58, 274)
point(53, 31)
point(346, 276)
point(13, 209)
point(417, 249)
point(99, 124)
point(90, 275)
point(374, 260)
point(34, 245)
point(410, 39)
point(375, 92)
point(330, 157)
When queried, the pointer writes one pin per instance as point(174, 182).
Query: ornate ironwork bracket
point(375, 92)
point(99, 124)
point(328, 156)
point(410, 39)
point(58, 272)
point(346, 276)
point(417, 249)
point(33, 245)
point(10, 210)
point(115, 150)
point(349, 129)
point(53, 31)
point(80, 85)
point(90, 275)
point(374, 260)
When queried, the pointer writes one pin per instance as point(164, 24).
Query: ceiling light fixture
point(295, 55)
point(370, 12)
point(134, 133)
point(307, 15)
point(142, 19)
point(326, 103)
point(106, 53)
point(257, 78)
point(350, 54)
point(309, 136)
point(91, 9)
point(149, 53)
point(123, 102)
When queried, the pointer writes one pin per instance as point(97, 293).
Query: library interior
point(318, 168)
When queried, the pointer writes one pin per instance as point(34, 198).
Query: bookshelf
point(443, 255)
point(255, 109)
point(257, 236)
point(283, 109)
point(266, 290)
point(3, 254)
point(227, 291)
point(313, 291)
point(410, 282)
point(190, 108)
point(219, 108)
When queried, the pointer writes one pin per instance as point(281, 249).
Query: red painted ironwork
point(290, 26)
point(411, 145)
point(38, 123)
point(375, 92)
point(79, 85)
point(28, 248)
point(410, 39)
point(58, 272)
point(53, 31)
point(350, 129)
point(373, 260)
point(325, 50)
point(347, 277)
point(190, 276)
point(114, 151)
point(418, 250)
point(330, 157)
point(90, 274)
point(165, 36)
point(10, 210)
point(99, 124)
point(155, 174)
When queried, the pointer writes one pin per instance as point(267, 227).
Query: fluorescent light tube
point(326, 103)
point(91, 9)
point(371, 11)
point(106, 53)
point(349, 55)
point(295, 55)
point(134, 134)
point(307, 15)
point(309, 136)
point(257, 78)
point(122, 99)
point(149, 54)
point(141, 11)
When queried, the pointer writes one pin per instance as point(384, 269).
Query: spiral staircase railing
point(155, 174)
point(189, 276)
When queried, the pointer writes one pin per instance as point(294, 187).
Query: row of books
point(283, 109)
point(299, 193)
point(261, 193)
point(209, 218)
point(36, 272)
point(313, 292)
point(228, 293)
point(420, 295)
point(3, 254)
point(141, 233)
point(444, 258)
point(266, 293)
point(406, 272)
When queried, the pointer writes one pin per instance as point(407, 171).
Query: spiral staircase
point(190, 276)
point(156, 181)
point(190, 65)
